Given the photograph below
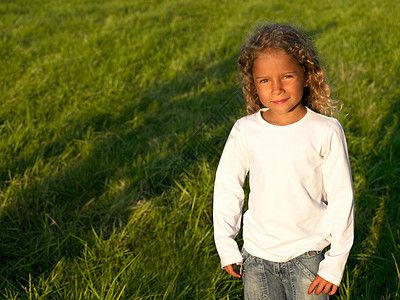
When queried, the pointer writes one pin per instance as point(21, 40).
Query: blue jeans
point(289, 280)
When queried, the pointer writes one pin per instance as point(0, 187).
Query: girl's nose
point(277, 88)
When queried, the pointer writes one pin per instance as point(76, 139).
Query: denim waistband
point(308, 254)
point(312, 253)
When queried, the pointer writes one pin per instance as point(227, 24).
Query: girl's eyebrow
point(290, 72)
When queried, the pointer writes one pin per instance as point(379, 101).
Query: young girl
point(301, 194)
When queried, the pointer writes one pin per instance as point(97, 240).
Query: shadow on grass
point(139, 154)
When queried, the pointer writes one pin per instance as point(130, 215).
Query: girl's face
point(280, 83)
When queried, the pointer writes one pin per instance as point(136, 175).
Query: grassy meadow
point(113, 115)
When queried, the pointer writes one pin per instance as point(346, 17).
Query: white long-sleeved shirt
point(301, 193)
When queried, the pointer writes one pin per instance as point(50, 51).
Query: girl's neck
point(284, 119)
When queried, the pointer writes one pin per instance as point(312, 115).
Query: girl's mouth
point(279, 102)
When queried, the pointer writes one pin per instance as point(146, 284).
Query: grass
point(113, 115)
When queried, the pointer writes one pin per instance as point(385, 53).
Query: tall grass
point(113, 115)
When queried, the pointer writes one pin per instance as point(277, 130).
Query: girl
point(301, 194)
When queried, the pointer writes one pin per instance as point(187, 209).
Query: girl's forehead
point(271, 54)
point(271, 51)
point(276, 52)
point(275, 60)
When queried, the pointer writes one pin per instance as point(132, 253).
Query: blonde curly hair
point(316, 95)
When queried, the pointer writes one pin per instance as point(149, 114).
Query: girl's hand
point(324, 286)
point(231, 271)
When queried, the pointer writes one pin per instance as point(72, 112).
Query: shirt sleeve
point(229, 196)
point(339, 195)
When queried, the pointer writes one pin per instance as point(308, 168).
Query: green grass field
point(113, 115)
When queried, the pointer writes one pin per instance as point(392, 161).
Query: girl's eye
point(264, 80)
point(288, 76)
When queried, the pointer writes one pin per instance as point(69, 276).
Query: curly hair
point(316, 95)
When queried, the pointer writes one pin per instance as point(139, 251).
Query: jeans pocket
point(247, 257)
point(309, 265)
